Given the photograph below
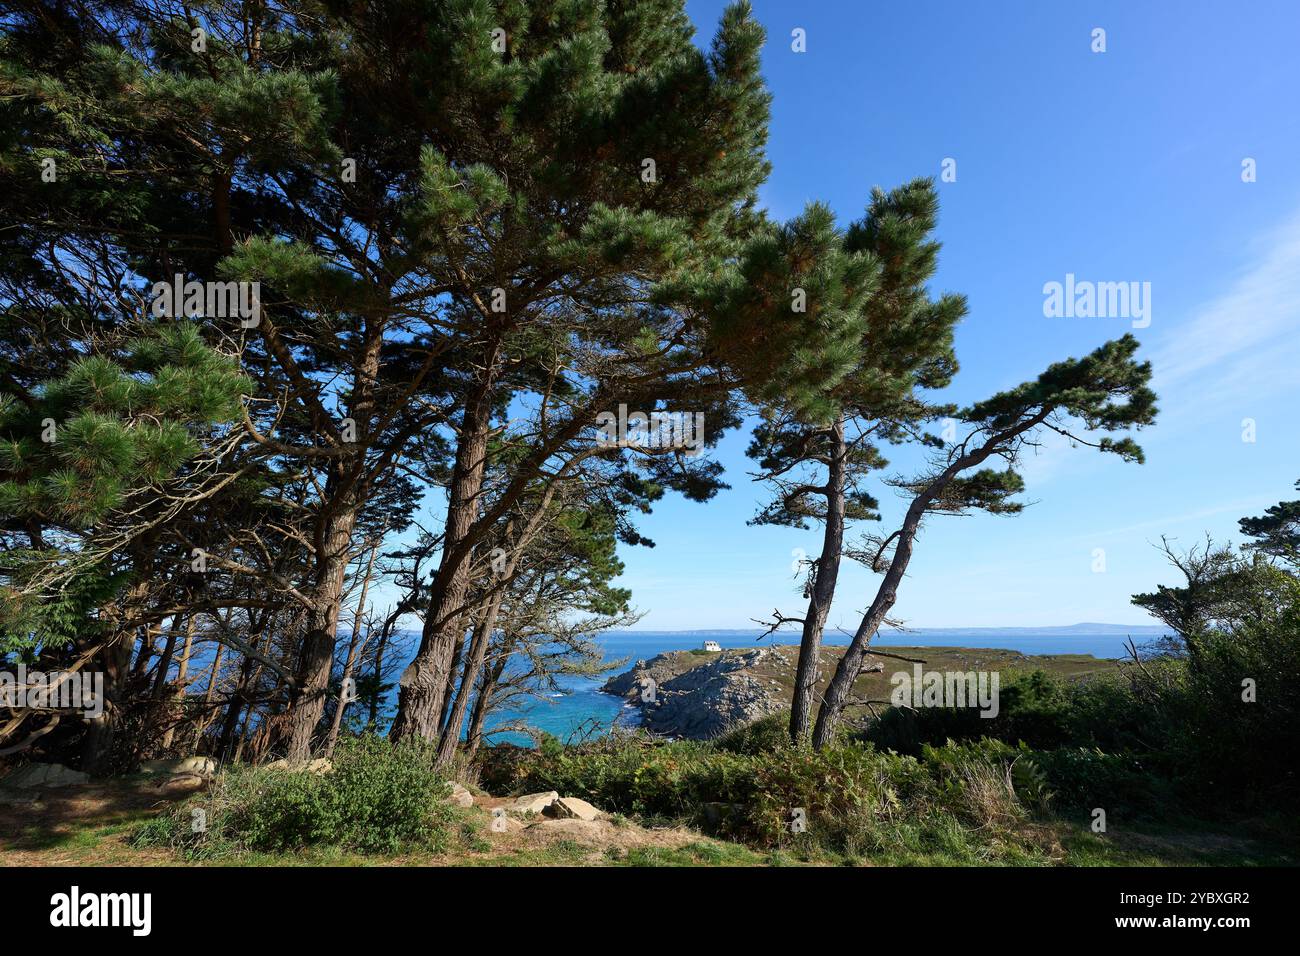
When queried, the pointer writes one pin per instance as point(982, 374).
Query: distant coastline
point(1138, 630)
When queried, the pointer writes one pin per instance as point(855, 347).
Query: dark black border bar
point(216, 905)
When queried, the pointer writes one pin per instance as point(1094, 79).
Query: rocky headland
point(699, 694)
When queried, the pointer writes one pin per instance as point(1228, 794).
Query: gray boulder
point(533, 802)
point(47, 775)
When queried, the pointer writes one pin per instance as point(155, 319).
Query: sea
point(578, 709)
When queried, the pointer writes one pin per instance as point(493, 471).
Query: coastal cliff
point(701, 694)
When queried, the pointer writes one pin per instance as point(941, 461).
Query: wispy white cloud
point(1240, 507)
point(1244, 343)
point(1053, 455)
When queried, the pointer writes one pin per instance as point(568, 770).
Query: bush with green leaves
point(1042, 710)
point(763, 735)
point(378, 798)
point(851, 798)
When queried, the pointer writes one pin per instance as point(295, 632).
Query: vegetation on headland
point(1170, 740)
point(699, 694)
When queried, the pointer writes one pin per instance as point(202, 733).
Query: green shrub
point(765, 735)
point(1036, 708)
point(379, 798)
point(850, 798)
point(290, 810)
point(1080, 778)
point(387, 796)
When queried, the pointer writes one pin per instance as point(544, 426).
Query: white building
point(712, 646)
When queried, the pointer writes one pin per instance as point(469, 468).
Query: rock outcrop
point(203, 766)
point(319, 766)
point(533, 802)
point(45, 775)
point(183, 784)
point(700, 701)
point(571, 808)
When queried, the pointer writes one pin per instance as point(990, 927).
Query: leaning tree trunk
point(373, 721)
point(823, 587)
point(478, 646)
point(354, 645)
point(165, 661)
point(182, 672)
point(307, 701)
point(423, 685)
point(457, 655)
point(243, 691)
point(850, 666)
point(482, 704)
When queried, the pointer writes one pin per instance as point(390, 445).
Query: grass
point(1144, 843)
point(1154, 847)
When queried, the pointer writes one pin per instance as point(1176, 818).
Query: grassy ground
point(93, 828)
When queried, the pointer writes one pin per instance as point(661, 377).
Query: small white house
point(712, 646)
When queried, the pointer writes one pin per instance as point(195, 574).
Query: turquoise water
point(580, 703)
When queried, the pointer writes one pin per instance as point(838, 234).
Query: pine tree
point(90, 464)
point(1105, 391)
point(595, 177)
point(1276, 532)
point(868, 341)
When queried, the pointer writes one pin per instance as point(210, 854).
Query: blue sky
point(1116, 166)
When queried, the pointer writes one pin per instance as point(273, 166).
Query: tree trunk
point(164, 662)
point(380, 648)
point(101, 734)
point(850, 665)
point(478, 716)
point(473, 664)
point(423, 685)
point(257, 626)
point(145, 654)
point(182, 671)
point(114, 660)
point(353, 643)
point(457, 655)
point(345, 494)
point(307, 700)
point(823, 589)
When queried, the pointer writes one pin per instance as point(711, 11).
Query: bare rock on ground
point(183, 784)
point(46, 775)
point(573, 808)
point(204, 766)
point(704, 700)
point(533, 802)
point(318, 766)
